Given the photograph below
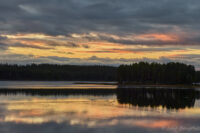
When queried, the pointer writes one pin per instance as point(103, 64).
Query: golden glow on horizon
point(41, 45)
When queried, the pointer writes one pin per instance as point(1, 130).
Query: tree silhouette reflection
point(167, 98)
point(141, 97)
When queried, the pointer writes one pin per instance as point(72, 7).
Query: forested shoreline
point(51, 72)
point(155, 73)
point(136, 73)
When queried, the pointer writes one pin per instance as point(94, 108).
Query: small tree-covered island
point(136, 73)
point(155, 73)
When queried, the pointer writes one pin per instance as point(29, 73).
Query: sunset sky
point(109, 32)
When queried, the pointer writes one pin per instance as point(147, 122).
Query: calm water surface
point(55, 84)
point(131, 110)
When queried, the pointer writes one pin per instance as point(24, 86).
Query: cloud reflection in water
point(88, 113)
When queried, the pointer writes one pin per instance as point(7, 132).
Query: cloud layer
point(94, 27)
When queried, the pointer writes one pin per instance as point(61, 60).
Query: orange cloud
point(161, 37)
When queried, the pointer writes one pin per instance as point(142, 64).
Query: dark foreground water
point(93, 110)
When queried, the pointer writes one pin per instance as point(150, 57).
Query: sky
point(101, 32)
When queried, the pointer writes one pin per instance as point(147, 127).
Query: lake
point(95, 107)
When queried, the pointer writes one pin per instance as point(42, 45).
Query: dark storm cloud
point(113, 16)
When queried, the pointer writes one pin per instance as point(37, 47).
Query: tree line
point(57, 72)
point(155, 73)
point(197, 77)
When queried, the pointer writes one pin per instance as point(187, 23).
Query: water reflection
point(167, 98)
point(56, 85)
point(141, 97)
point(58, 92)
point(97, 110)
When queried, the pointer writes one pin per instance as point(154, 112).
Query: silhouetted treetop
point(57, 72)
point(155, 73)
